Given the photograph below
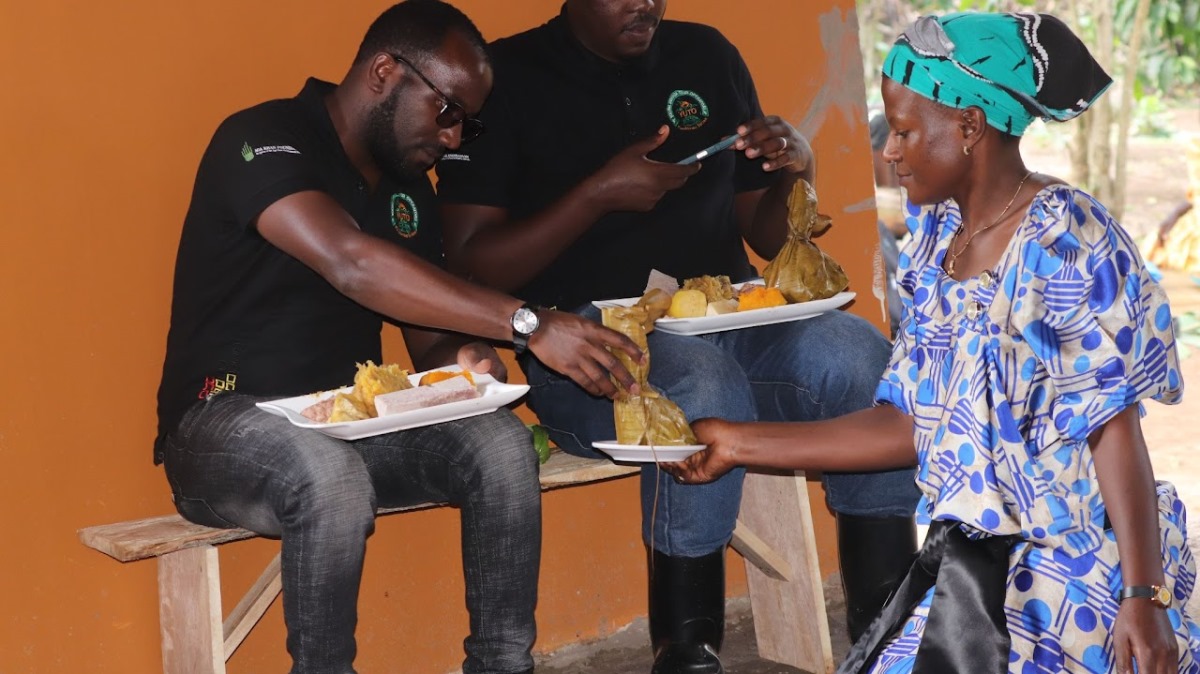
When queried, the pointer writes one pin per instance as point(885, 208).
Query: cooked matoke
point(648, 418)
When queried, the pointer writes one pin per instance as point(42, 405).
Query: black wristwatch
point(1158, 595)
point(524, 323)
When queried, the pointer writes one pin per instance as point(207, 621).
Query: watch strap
point(1157, 594)
point(520, 343)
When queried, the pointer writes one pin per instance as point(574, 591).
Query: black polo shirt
point(246, 316)
point(558, 112)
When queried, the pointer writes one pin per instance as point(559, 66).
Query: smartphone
point(723, 144)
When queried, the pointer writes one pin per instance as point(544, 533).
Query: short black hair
point(416, 29)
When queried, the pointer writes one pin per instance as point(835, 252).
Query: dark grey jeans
point(233, 465)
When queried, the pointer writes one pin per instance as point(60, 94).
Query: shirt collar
point(312, 99)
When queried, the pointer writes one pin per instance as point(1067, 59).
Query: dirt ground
point(1156, 172)
point(1157, 177)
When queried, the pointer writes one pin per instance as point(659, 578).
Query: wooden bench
point(789, 610)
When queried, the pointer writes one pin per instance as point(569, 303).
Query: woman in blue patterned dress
point(1031, 333)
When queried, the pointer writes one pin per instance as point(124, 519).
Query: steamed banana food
point(715, 295)
point(801, 271)
point(382, 390)
point(648, 418)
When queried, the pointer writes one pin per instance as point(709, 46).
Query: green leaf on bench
point(541, 442)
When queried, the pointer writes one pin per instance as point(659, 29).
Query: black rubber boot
point(875, 554)
point(687, 613)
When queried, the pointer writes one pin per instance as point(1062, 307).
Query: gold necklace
point(953, 256)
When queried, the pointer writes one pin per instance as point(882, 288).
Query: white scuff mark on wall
point(842, 88)
point(867, 204)
point(879, 282)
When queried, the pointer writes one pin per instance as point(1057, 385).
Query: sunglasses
point(452, 114)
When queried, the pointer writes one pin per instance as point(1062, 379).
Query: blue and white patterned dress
point(1005, 375)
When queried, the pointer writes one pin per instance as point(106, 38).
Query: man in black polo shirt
point(311, 221)
point(573, 196)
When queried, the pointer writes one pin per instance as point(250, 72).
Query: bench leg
point(189, 605)
point(789, 615)
point(252, 607)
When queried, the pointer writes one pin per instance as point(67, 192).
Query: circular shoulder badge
point(405, 217)
point(686, 110)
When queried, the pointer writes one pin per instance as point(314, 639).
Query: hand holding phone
point(723, 144)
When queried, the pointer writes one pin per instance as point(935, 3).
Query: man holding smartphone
point(565, 208)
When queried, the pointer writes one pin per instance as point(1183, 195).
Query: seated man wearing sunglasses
point(312, 220)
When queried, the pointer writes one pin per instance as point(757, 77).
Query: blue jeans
point(818, 368)
point(233, 465)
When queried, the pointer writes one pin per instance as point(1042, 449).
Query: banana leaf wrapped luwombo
point(801, 271)
point(648, 418)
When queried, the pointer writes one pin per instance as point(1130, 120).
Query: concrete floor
point(628, 651)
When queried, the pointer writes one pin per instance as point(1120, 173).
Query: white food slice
point(447, 391)
point(721, 307)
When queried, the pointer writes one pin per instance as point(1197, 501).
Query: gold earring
point(967, 150)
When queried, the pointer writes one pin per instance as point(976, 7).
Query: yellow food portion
point(442, 375)
point(760, 297)
point(687, 304)
point(372, 380)
point(348, 407)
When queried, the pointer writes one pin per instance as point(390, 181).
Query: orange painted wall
point(104, 111)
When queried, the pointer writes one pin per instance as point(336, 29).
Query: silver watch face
point(524, 321)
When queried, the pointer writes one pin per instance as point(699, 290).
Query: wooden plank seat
point(197, 640)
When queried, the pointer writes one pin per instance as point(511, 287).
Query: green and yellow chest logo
point(405, 217)
point(686, 110)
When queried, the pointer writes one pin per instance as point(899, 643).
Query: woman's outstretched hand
point(712, 462)
point(1143, 633)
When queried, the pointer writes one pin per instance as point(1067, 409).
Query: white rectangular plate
point(739, 319)
point(493, 396)
point(646, 453)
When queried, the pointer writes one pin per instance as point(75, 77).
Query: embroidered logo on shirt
point(213, 386)
point(686, 110)
point(249, 153)
point(405, 217)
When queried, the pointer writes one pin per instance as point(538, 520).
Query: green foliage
point(1169, 66)
point(1151, 117)
point(1187, 333)
point(1171, 47)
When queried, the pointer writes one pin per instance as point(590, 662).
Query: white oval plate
point(493, 396)
point(646, 453)
point(739, 319)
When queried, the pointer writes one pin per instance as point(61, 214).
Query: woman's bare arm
point(1142, 630)
point(878, 438)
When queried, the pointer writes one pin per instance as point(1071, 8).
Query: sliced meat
point(319, 412)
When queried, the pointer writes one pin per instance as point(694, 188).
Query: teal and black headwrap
point(1014, 67)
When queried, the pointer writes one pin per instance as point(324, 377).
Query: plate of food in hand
point(646, 453)
point(709, 304)
point(386, 398)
